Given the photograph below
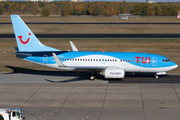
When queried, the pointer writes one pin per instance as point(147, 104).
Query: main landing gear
point(93, 76)
point(156, 76)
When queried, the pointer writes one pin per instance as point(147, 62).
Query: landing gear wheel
point(156, 76)
point(92, 77)
point(1, 118)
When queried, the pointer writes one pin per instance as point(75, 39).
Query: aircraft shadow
point(80, 76)
point(43, 72)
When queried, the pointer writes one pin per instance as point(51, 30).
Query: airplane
point(112, 65)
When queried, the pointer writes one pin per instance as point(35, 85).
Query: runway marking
point(43, 116)
point(98, 79)
point(87, 117)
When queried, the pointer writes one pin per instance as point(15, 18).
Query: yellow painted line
point(98, 79)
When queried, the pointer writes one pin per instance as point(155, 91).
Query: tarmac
point(71, 96)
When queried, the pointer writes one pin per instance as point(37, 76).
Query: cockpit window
point(165, 60)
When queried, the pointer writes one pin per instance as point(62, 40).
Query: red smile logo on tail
point(20, 37)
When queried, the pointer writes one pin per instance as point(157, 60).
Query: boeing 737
point(108, 64)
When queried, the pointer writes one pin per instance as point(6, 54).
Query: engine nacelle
point(113, 73)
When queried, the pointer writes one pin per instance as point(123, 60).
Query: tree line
point(88, 8)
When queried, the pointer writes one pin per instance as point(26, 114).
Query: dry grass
point(168, 47)
point(171, 19)
point(90, 29)
point(94, 28)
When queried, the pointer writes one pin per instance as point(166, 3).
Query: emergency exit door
point(45, 59)
point(154, 61)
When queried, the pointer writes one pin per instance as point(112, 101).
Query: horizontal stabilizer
point(58, 61)
point(24, 54)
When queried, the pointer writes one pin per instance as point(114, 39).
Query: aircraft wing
point(60, 64)
point(89, 67)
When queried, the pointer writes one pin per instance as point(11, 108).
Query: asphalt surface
point(51, 95)
point(99, 36)
point(143, 23)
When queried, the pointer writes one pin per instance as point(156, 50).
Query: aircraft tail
point(26, 40)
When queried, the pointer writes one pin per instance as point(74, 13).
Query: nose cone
point(173, 65)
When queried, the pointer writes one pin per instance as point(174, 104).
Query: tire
point(92, 77)
point(1, 118)
point(156, 76)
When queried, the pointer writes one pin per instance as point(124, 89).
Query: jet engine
point(113, 73)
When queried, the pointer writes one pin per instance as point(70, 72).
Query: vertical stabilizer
point(26, 40)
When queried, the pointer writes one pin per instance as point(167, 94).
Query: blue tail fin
point(26, 40)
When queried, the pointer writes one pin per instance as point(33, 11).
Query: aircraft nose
point(173, 65)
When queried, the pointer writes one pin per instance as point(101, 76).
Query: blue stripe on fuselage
point(154, 59)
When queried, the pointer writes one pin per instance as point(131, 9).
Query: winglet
point(58, 62)
point(73, 46)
